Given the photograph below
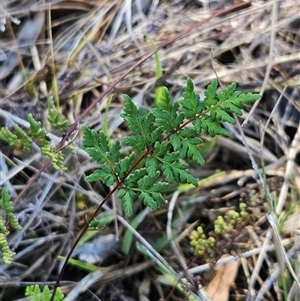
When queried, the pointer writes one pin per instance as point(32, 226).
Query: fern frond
point(127, 197)
point(166, 114)
point(45, 295)
point(19, 138)
point(169, 137)
point(104, 174)
point(187, 145)
point(55, 116)
point(132, 179)
point(7, 254)
point(123, 165)
point(7, 206)
point(176, 171)
point(57, 158)
point(7, 136)
point(36, 130)
point(151, 192)
point(212, 127)
point(23, 138)
point(140, 122)
point(211, 94)
point(191, 104)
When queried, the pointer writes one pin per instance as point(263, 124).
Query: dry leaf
point(219, 287)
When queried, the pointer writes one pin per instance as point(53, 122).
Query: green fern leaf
point(123, 166)
point(211, 93)
point(175, 171)
point(161, 148)
point(23, 138)
point(220, 115)
point(99, 223)
point(151, 192)
point(226, 93)
point(175, 140)
point(136, 141)
point(57, 159)
point(7, 205)
point(20, 138)
point(90, 137)
point(152, 166)
point(32, 290)
point(166, 115)
point(59, 296)
point(96, 145)
point(188, 132)
point(212, 127)
point(35, 126)
point(131, 115)
point(104, 174)
point(163, 120)
point(239, 99)
point(127, 197)
point(114, 152)
point(193, 152)
point(168, 136)
point(153, 200)
point(141, 123)
point(36, 130)
point(197, 125)
point(147, 181)
point(3, 228)
point(186, 143)
point(46, 294)
point(7, 136)
point(154, 136)
point(191, 104)
point(103, 142)
point(139, 119)
point(134, 177)
point(13, 221)
point(55, 116)
point(160, 186)
point(165, 101)
point(232, 108)
point(7, 254)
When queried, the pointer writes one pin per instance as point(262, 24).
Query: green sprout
point(220, 225)
point(199, 242)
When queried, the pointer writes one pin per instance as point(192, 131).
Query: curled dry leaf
point(219, 287)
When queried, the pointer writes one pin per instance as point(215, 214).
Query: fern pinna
point(167, 136)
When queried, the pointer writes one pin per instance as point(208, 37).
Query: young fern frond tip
point(167, 136)
point(7, 206)
point(43, 295)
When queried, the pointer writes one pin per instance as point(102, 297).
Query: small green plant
point(6, 206)
point(164, 142)
point(220, 225)
point(199, 242)
point(243, 211)
point(234, 218)
point(45, 295)
point(36, 132)
point(167, 136)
